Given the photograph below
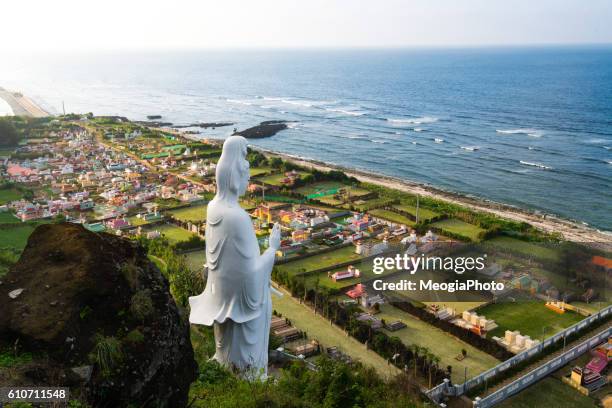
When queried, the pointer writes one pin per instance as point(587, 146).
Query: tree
point(276, 162)
point(8, 133)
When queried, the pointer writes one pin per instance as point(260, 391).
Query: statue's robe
point(236, 300)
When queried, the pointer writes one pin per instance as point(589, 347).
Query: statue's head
point(233, 168)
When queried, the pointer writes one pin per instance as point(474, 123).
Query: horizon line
point(312, 47)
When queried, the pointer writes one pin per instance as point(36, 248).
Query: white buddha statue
point(236, 300)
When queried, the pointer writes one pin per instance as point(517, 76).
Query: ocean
point(531, 127)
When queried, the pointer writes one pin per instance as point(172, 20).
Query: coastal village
point(129, 179)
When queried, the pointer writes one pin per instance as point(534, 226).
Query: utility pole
point(417, 210)
point(63, 108)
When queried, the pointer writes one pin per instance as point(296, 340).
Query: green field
point(440, 343)
point(329, 200)
point(328, 259)
point(529, 317)
point(193, 213)
point(258, 171)
point(316, 327)
point(9, 194)
point(16, 236)
point(320, 186)
point(459, 227)
point(391, 216)
point(275, 179)
point(196, 260)
point(424, 213)
point(174, 233)
point(550, 392)
point(526, 249)
point(135, 221)
point(8, 218)
point(372, 203)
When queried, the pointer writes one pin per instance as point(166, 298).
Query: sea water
point(530, 127)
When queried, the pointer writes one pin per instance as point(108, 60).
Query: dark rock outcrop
point(264, 129)
point(82, 295)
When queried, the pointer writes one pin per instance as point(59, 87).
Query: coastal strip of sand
point(569, 230)
point(21, 105)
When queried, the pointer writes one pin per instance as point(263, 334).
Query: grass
point(373, 203)
point(325, 260)
point(550, 392)
point(6, 152)
point(16, 236)
point(9, 194)
point(319, 187)
point(8, 218)
point(275, 179)
point(459, 227)
point(424, 213)
point(365, 269)
point(318, 328)
point(135, 221)
point(174, 233)
point(9, 359)
point(529, 317)
point(160, 263)
point(194, 213)
point(330, 201)
point(259, 171)
point(525, 249)
point(391, 216)
point(196, 260)
point(440, 343)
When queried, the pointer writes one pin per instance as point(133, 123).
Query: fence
point(460, 389)
point(540, 372)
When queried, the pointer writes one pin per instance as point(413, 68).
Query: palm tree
point(433, 361)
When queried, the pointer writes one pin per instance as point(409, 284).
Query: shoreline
point(569, 229)
point(21, 105)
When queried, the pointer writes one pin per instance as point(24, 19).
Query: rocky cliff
point(95, 314)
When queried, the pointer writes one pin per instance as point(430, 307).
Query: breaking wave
point(414, 121)
point(538, 165)
point(528, 132)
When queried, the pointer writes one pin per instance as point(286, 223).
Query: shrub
point(141, 305)
point(107, 353)
point(135, 337)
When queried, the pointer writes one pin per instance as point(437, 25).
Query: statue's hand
point(275, 237)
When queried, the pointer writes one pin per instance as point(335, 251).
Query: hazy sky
point(114, 24)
